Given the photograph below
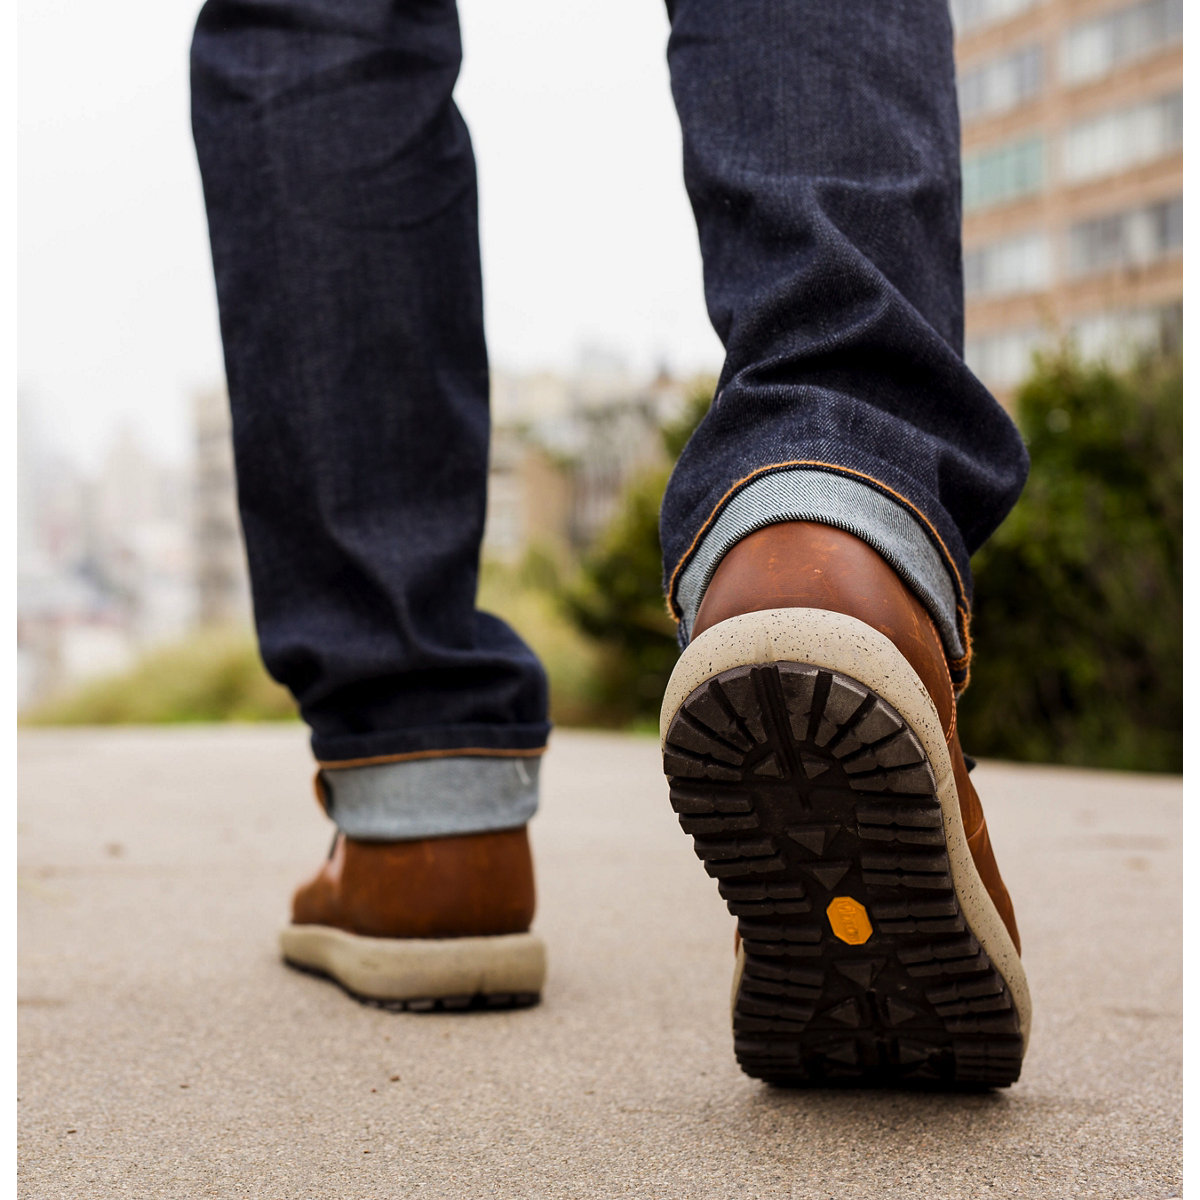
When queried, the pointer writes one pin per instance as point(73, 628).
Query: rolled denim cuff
point(431, 797)
point(805, 494)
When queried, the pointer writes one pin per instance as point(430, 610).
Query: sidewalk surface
point(165, 1052)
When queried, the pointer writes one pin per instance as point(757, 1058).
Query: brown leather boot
point(809, 737)
point(433, 923)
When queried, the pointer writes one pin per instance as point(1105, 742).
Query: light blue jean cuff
point(805, 494)
point(431, 797)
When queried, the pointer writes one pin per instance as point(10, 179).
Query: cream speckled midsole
point(419, 968)
point(847, 645)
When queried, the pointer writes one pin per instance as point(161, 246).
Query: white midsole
point(849, 646)
point(419, 968)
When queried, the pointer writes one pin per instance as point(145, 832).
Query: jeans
point(821, 158)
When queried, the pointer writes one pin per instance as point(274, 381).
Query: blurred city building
point(564, 448)
point(136, 552)
point(104, 559)
point(1072, 126)
point(528, 499)
point(221, 576)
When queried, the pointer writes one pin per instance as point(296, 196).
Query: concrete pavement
point(165, 1052)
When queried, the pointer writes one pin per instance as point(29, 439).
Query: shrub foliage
point(213, 675)
point(616, 598)
point(1078, 624)
point(1078, 598)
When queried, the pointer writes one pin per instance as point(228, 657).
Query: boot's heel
point(815, 805)
point(420, 974)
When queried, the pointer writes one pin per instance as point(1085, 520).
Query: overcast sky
point(587, 235)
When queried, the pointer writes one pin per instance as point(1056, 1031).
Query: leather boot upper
point(469, 885)
point(798, 564)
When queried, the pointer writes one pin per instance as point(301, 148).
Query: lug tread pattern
point(800, 785)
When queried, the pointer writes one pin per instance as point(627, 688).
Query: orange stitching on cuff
point(322, 796)
point(415, 755)
point(964, 625)
point(964, 664)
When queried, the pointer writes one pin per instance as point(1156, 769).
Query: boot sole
point(422, 974)
point(806, 759)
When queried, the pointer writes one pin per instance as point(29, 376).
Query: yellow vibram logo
point(848, 920)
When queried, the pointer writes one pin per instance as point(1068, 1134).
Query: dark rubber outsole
point(480, 1002)
point(814, 806)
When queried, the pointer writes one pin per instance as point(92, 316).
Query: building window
point(1005, 173)
point(1097, 47)
point(1119, 336)
point(1015, 264)
point(1003, 360)
point(1131, 238)
point(1000, 84)
point(1116, 141)
point(973, 14)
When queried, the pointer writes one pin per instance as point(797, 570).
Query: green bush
point(616, 597)
point(616, 600)
point(217, 675)
point(1078, 624)
point(213, 675)
point(1078, 609)
point(1078, 615)
point(528, 597)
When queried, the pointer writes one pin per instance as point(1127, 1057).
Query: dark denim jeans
point(821, 156)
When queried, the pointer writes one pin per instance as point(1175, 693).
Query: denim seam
point(417, 755)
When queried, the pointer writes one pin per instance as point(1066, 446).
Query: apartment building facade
point(1072, 124)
